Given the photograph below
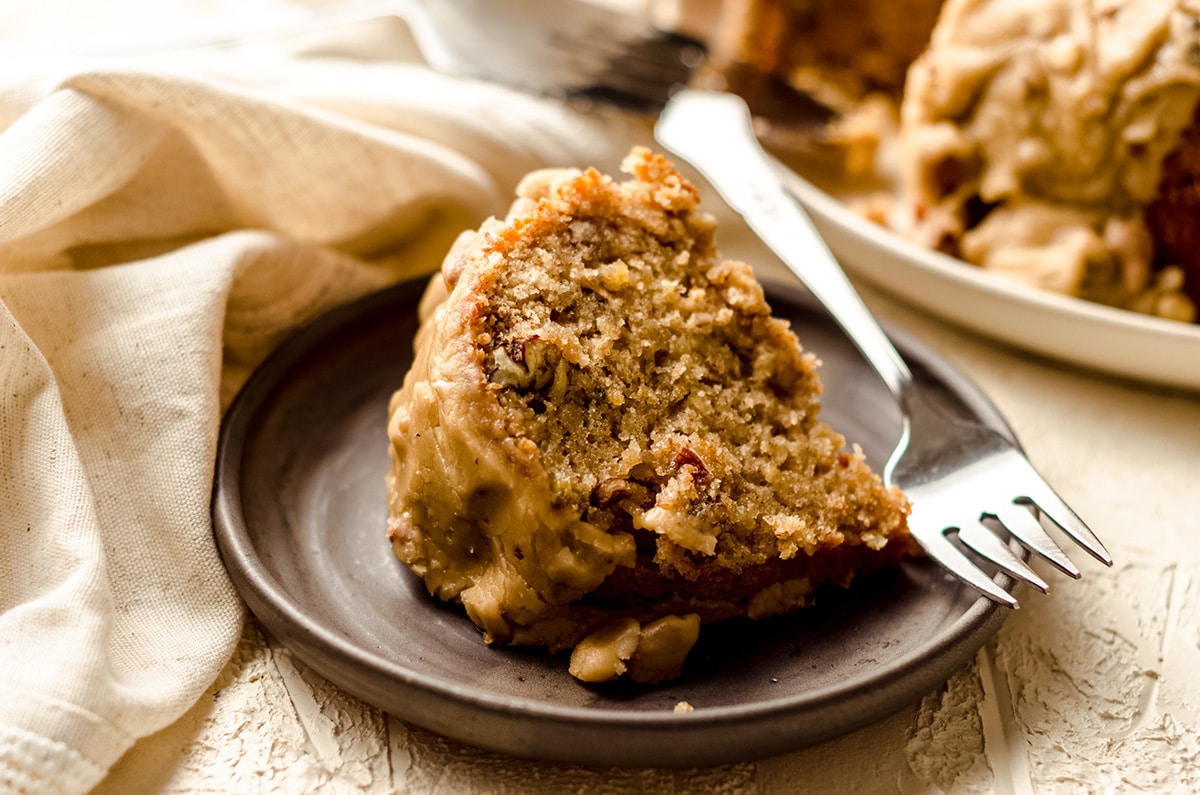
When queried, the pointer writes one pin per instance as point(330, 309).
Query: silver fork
point(963, 478)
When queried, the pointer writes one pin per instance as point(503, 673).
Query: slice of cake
point(605, 439)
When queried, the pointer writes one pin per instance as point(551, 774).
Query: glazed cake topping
point(1034, 135)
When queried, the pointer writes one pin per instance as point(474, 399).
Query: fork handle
point(713, 131)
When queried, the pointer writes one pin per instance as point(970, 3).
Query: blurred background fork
point(572, 49)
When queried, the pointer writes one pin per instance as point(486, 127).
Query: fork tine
point(987, 544)
point(949, 557)
point(1017, 519)
point(1050, 504)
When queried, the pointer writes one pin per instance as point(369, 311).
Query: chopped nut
point(505, 371)
point(686, 457)
point(662, 647)
point(525, 363)
point(613, 491)
point(610, 491)
point(516, 350)
point(602, 656)
point(644, 473)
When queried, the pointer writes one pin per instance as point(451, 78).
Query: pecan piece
point(686, 457)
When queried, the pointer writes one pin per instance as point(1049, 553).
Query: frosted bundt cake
point(1054, 141)
point(606, 440)
point(839, 53)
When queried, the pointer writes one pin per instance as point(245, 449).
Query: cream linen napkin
point(163, 224)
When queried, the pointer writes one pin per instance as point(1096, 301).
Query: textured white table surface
point(1093, 688)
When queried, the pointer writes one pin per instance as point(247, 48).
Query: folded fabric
point(163, 225)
